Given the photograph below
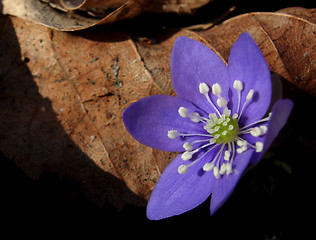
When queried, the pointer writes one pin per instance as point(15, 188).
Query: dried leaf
point(287, 39)
point(47, 12)
point(62, 95)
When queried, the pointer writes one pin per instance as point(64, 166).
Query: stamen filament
point(254, 123)
point(194, 134)
point(210, 101)
point(248, 98)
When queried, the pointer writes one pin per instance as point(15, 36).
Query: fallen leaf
point(62, 95)
point(287, 39)
point(47, 12)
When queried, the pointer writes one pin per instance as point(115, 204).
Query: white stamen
point(216, 89)
point(217, 136)
point(172, 134)
point(213, 140)
point(242, 149)
point(220, 120)
point(182, 169)
point(212, 116)
point(248, 98)
point(195, 117)
point(183, 112)
point(256, 132)
point(238, 85)
point(204, 89)
point(224, 133)
point(222, 169)
point(187, 155)
point(259, 146)
point(263, 129)
point(230, 127)
point(222, 102)
point(216, 128)
point(188, 146)
point(250, 94)
point(229, 168)
point(227, 112)
point(235, 116)
point(208, 167)
point(227, 155)
point(216, 172)
point(254, 123)
point(240, 143)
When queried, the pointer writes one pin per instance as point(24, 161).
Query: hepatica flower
point(218, 120)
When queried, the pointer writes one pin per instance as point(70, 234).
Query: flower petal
point(247, 64)
point(193, 63)
point(280, 113)
point(224, 187)
point(177, 193)
point(150, 119)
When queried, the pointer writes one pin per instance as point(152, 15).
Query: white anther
point(172, 134)
point(240, 143)
point(224, 124)
point(216, 128)
point(256, 132)
point(239, 150)
point(242, 149)
point(227, 112)
point(216, 89)
point(227, 155)
point(259, 146)
point(224, 133)
point(186, 156)
point(188, 146)
point(212, 116)
point(263, 129)
point(250, 94)
point(235, 116)
point(222, 169)
point(238, 85)
point(217, 136)
point(216, 172)
point(183, 112)
point(212, 141)
point(182, 169)
point(195, 117)
point(204, 89)
point(230, 127)
point(222, 102)
point(220, 120)
point(229, 168)
point(208, 167)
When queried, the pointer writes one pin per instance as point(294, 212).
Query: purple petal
point(247, 64)
point(224, 186)
point(280, 113)
point(150, 119)
point(177, 193)
point(193, 63)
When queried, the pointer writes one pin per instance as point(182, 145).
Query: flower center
point(224, 129)
point(222, 132)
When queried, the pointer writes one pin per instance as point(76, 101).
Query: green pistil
point(224, 129)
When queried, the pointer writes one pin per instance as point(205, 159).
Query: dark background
point(273, 201)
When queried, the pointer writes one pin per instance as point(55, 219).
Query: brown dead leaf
point(287, 39)
point(62, 95)
point(61, 110)
point(47, 12)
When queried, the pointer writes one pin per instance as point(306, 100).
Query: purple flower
point(218, 121)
